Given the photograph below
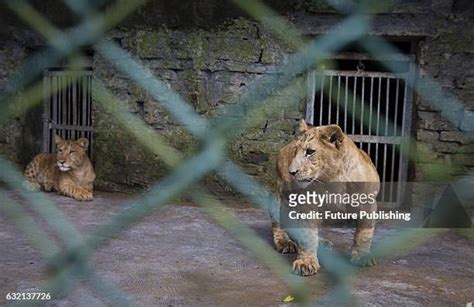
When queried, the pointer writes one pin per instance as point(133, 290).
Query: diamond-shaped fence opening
point(70, 263)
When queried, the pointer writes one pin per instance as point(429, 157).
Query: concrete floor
point(178, 256)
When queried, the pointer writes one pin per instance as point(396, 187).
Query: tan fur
point(324, 154)
point(69, 171)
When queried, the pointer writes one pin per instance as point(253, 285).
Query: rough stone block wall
point(20, 137)
point(448, 57)
point(209, 69)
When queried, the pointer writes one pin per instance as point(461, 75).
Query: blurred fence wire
point(71, 264)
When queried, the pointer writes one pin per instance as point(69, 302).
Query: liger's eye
point(308, 152)
point(72, 151)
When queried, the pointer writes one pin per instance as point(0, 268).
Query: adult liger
point(323, 154)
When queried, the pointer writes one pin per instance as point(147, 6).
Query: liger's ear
point(332, 134)
point(83, 142)
point(57, 139)
point(302, 127)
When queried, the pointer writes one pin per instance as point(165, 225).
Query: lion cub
point(69, 171)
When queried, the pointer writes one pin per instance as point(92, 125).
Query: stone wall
point(209, 69)
point(448, 57)
point(20, 137)
point(209, 66)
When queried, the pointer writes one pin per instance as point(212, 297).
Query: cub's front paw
point(306, 266)
point(363, 259)
point(84, 196)
point(285, 246)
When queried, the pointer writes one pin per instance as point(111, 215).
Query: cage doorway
point(67, 106)
point(374, 108)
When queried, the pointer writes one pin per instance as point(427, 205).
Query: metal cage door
point(67, 107)
point(375, 110)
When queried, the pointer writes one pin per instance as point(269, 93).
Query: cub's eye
point(60, 150)
point(72, 151)
point(308, 152)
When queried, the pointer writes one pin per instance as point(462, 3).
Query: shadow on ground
point(178, 256)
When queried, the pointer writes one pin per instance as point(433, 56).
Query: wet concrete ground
point(179, 256)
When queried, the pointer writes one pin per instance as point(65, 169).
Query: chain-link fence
point(70, 264)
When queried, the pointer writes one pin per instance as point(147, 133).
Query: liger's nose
point(292, 173)
point(61, 161)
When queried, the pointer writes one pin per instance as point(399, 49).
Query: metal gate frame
point(60, 87)
point(403, 139)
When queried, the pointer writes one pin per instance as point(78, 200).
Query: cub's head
point(318, 154)
point(70, 154)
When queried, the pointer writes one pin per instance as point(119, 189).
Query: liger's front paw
point(285, 246)
point(85, 196)
point(363, 259)
point(306, 266)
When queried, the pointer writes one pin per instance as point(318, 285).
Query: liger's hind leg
point(360, 251)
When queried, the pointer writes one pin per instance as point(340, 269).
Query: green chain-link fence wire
point(70, 265)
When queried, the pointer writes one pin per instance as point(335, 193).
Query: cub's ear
point(57, 139)
point(302, 127)
point(83, 142)
point(332, 134)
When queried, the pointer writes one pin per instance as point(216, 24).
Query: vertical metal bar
point(362, 107)
point(329, 99)
point(378, 123)
point(81, 104)
point(354, 104)
point(86, 107)
point(84, 103)
point(64, 103)
point(89, 111)
point(60, 104)
point(58, 101)
point(87, 103)
point(387, 108)
point(91, 145)
point(55, 93)
point(395, 129)
point(311, 83)
point(46, 106)
point(391, 148)
point(68, 104)
point(321, 101)
point(338, 97)
point(395, 133)
point(59, 110)
point(71, 106)
point(74, 105)
point(346, 129)
point(370, 109)
point(51, 94)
